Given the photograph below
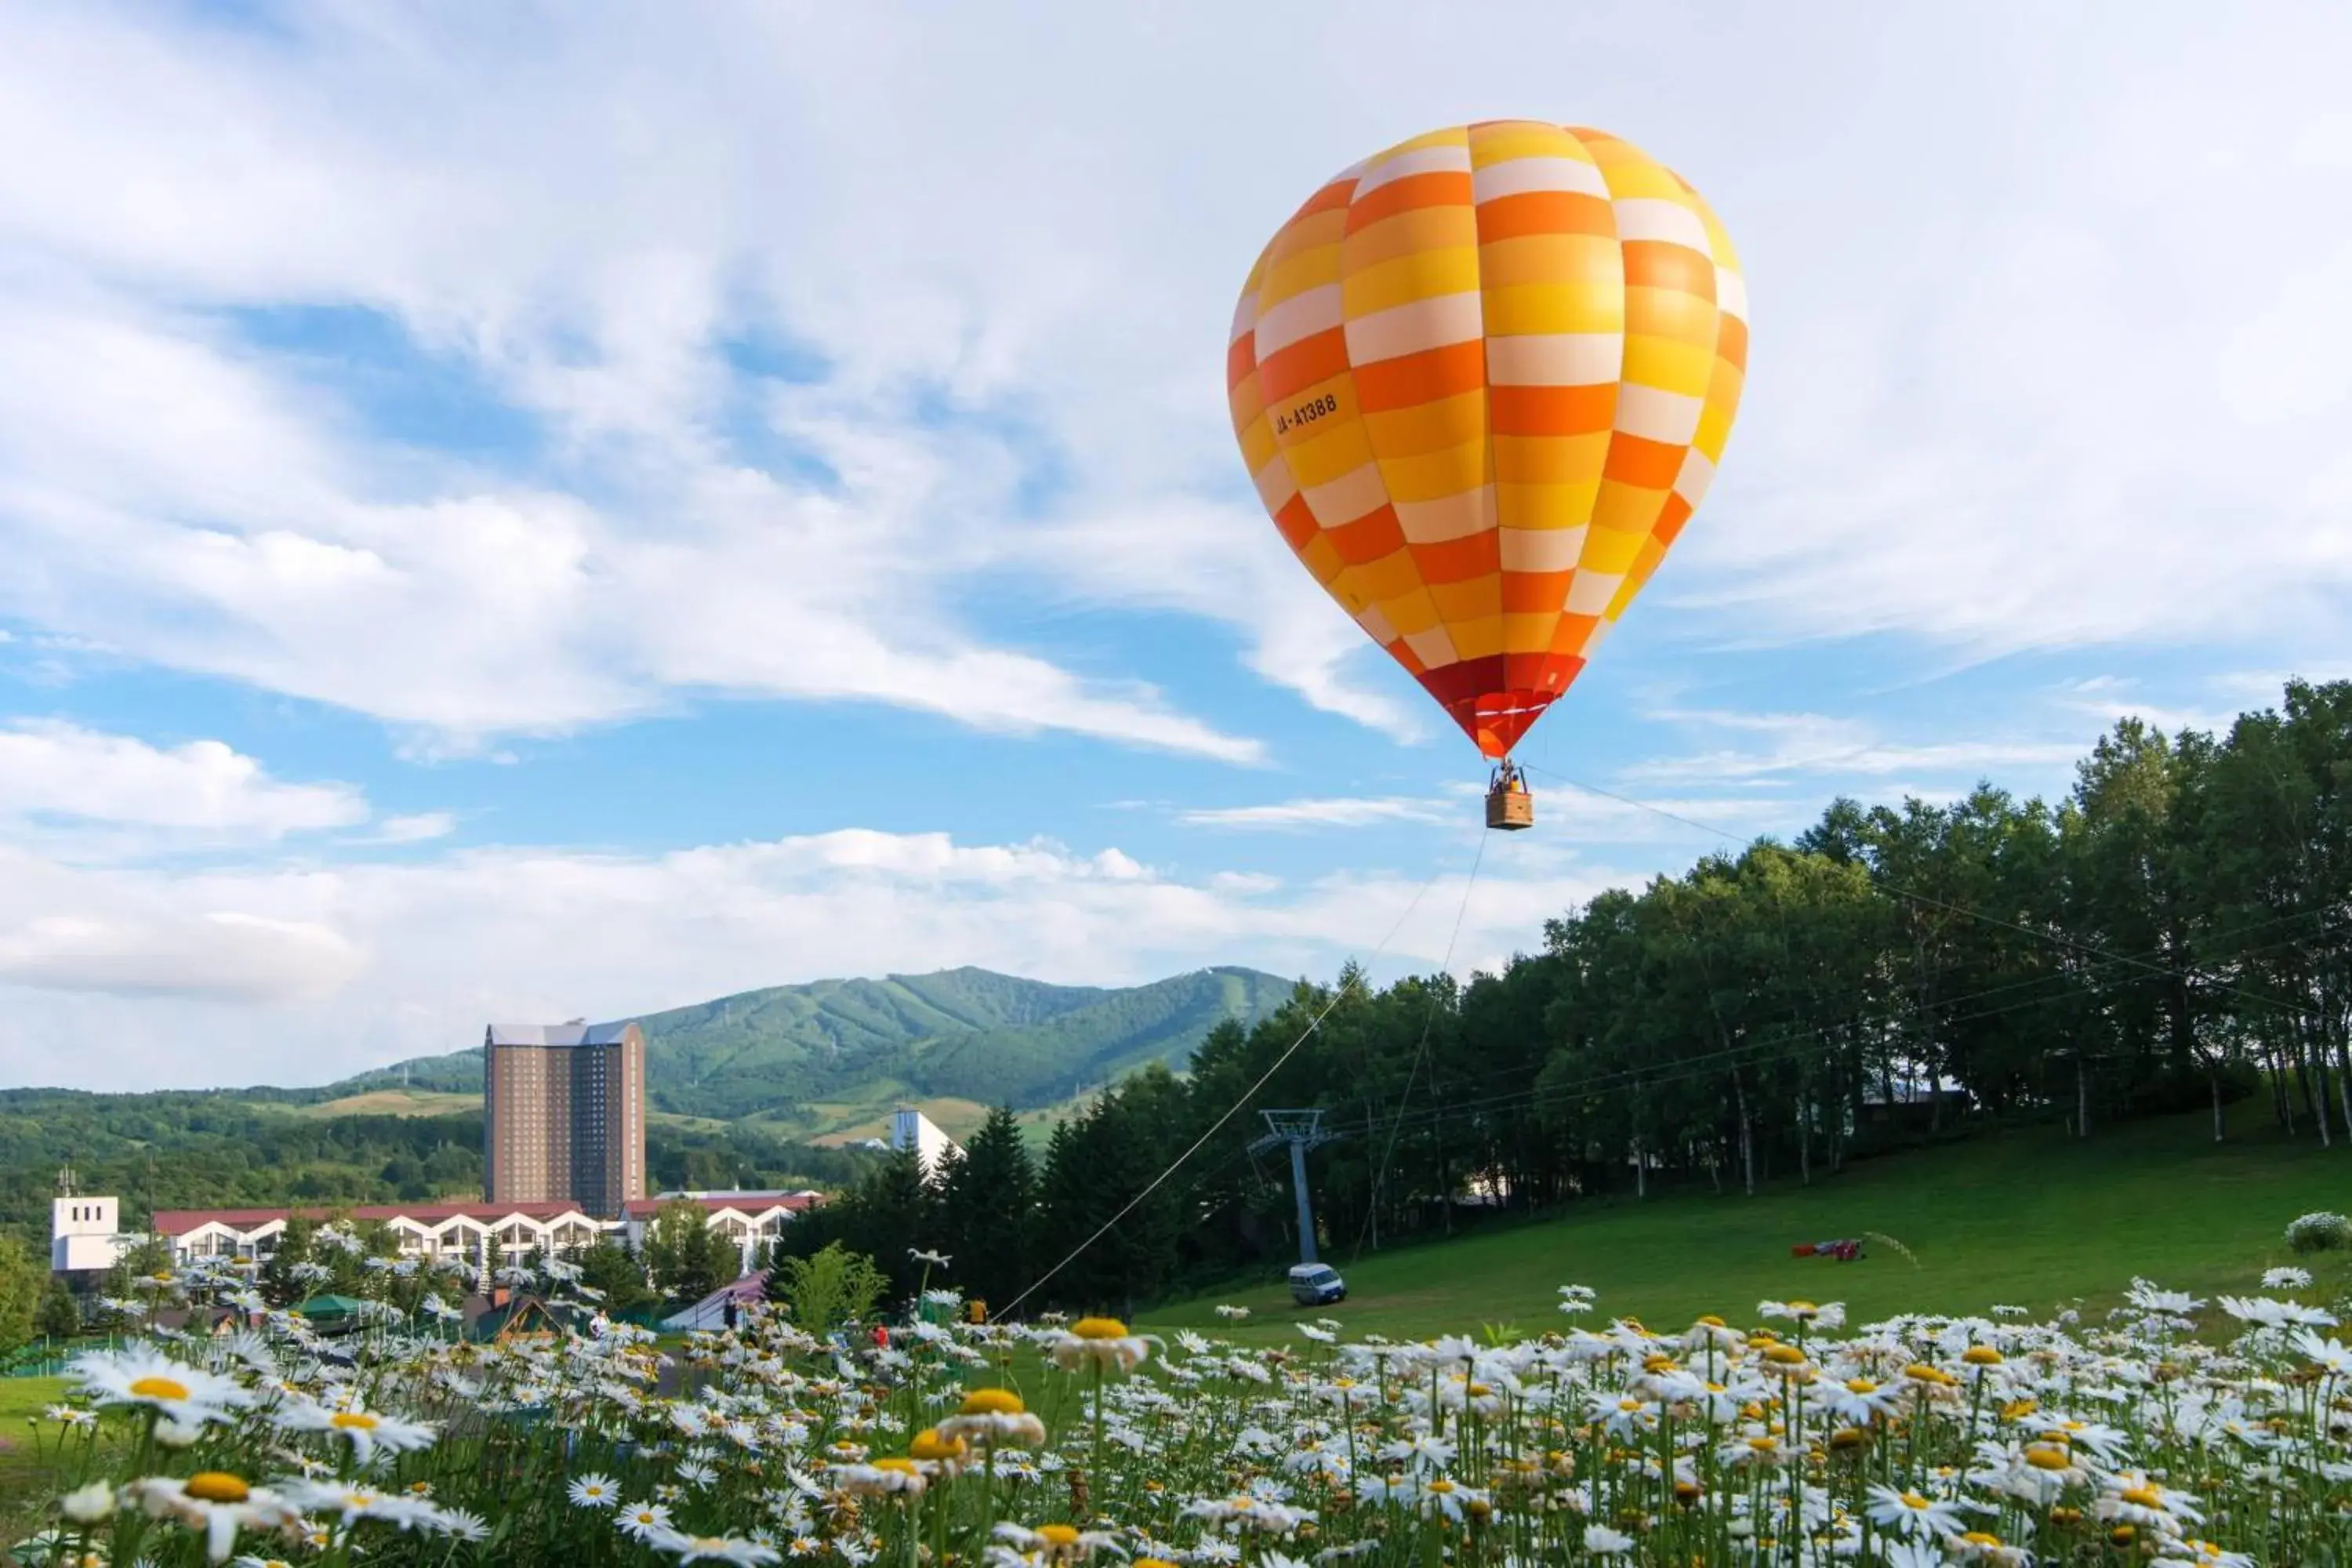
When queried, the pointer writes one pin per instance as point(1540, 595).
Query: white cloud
point(1816, 743)
point(2004, 393)
point(322, 971)
point(2112, 698)
point(58, 779)
point(1330, 811)
point(417, 827)
point(1222, 563)
point(2007, 392)
point(260, 547)
point(1569, 813)
point(159, 938)
point(218, 956)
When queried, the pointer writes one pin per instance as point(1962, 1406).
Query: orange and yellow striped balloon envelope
point(1482, 380)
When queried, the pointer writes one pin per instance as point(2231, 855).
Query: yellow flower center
point(1981, 1355)
point(1860, 1385)
point(354, 1420)
point(929, 1445)
point(1980, 1538)
point(1062, 1535)
point(1479, 1391)
point(1803, 1308)
point(1848, 1437)
point(901, 1466)
point(1763, 1445)
point(2043, 1458)
point(1710, 1320)
point(1100, 1329)
point(992, 1402)
point(159, 1388)
point(1913, 1499)
point(2145, 1497)
point(1441, 1485)
point(217, 1486)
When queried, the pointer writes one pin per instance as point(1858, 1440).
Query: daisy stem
point(1095, 1463)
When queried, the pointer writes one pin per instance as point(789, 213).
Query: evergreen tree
point(685, 1257)
point(894, 1211)
point(987, 1212)
point(610, 1267)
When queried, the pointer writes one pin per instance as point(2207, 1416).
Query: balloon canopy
point(1481, 380)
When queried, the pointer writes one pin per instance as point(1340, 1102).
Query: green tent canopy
point(322, 1311)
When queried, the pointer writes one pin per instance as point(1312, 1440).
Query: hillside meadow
point(2026, 1217)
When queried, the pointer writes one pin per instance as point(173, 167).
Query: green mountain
point(966, 1033)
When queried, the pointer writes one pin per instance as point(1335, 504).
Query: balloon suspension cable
point(1421, 1051)
point(1351, 979)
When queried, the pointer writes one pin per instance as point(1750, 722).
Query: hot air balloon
point(1481, 380)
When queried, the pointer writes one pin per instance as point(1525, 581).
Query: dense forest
point(2175, 933)
point(217, 1150)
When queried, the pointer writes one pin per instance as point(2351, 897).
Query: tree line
point(179, 1149)
point(2173, 934)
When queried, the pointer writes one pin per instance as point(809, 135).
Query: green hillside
point(966, 1033)
point(2025, 1217)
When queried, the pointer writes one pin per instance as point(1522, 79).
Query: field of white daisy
point(2170, 1430)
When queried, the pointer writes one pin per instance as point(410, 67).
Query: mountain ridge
point(971, 1033)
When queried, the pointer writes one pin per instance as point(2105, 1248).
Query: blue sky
point(527, 512)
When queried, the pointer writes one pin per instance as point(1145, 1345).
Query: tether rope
point(1380, 1176)
point(1351, 981)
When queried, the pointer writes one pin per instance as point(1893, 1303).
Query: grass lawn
point(2029, 1217)
point(25, 1485)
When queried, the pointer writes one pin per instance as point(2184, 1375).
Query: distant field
point(395, 1102)
point(829, 1122)
point(2029, 1219)
point(958, 1118)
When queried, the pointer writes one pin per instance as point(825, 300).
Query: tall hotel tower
point(564, 1114)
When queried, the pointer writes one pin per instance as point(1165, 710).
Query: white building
point(910, 1129)
point(86, 1234)
point(482, 1234)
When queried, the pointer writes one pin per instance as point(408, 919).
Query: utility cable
point(1422, 1050)
point(1339, 995)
